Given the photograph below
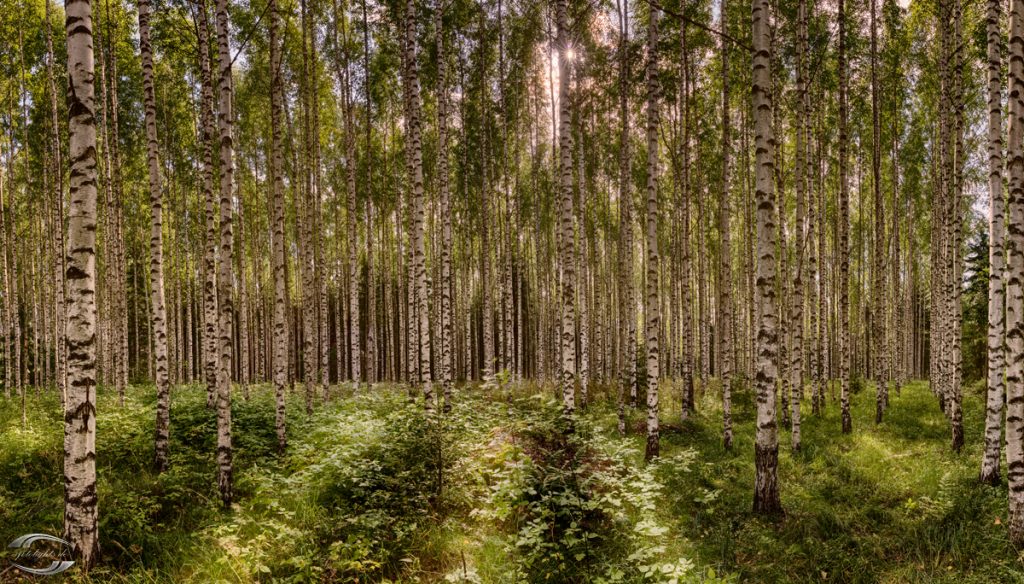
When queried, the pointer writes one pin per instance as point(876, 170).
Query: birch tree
point(225, 273)
point(878, 308)
point(997, 233)
point(81, 528)
point(723, 325)
point(416, 238)
point(1015, 278)
point(567, 252)
point(627, 334)
point(766, 447)
point(796, 307)
point(277, 193)
point(156, 242)
point(446, 211)
point(58, 210)
point(211, 347)
point(843, 283)
point(652, 310)
point(355, 349)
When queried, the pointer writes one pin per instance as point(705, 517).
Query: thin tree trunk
point(189, 348)
point(878, 309)
point(243, 304)
point(723, 326)
point(305, 217)
point(814, 249)
point(627, 319)
point(901, 298)
point(6, 326)
point(317, 233)
point(156, 243)
point(843, 283)
point(417, 236)
point(796, 306)
point(117, 326)
point(210, 350)
point(58, 223)
point(824, 291)
point(997, 235)
point(225, 121)
point(565, 216)
point(355, 350)
point(371, 334)
point(486, 277)
point(688, 347)
point(652, 310)
point(446, 211)
point(956, 266)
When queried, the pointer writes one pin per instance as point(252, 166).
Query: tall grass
point(371, 490)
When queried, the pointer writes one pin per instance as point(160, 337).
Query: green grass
point(887, 503)
point(357, 497)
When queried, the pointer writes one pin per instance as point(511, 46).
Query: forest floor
point(371, 490)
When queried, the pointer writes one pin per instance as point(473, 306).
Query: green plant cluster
point(577, 505)
point(503, 490)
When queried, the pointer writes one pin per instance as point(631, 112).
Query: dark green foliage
point(857, 383)
point(562, 532)
point(376, 502)
point(358, 496)
point(974, 302)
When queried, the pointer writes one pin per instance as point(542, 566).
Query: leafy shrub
point(378, 492)
point(578, 506)
point(857, 384)
point(31, 489)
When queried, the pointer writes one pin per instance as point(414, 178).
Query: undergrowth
point(504, 490)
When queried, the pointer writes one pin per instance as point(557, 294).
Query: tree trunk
point(371, 288)
point(652, 310)
point(567, 245)
point(824, 291)
point(355, 350)
point(243, 308)
point(80, 513)
point(225, 276)
point(796, 306)
point(156, 243)
point(843, 282)
point(58, 223)
point(210, 350)
point(278, 196)
point(766, 448)
point(446, 211)
point(997, 235)
point(686, 292)
point(878, 308)
point(305, 217)
point(723, 326)
point(956, 260)
point(417, 237)
point(5, 326)
point(1015, 279)
point(627, 319)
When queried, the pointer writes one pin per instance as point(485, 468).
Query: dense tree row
point(442, 192)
